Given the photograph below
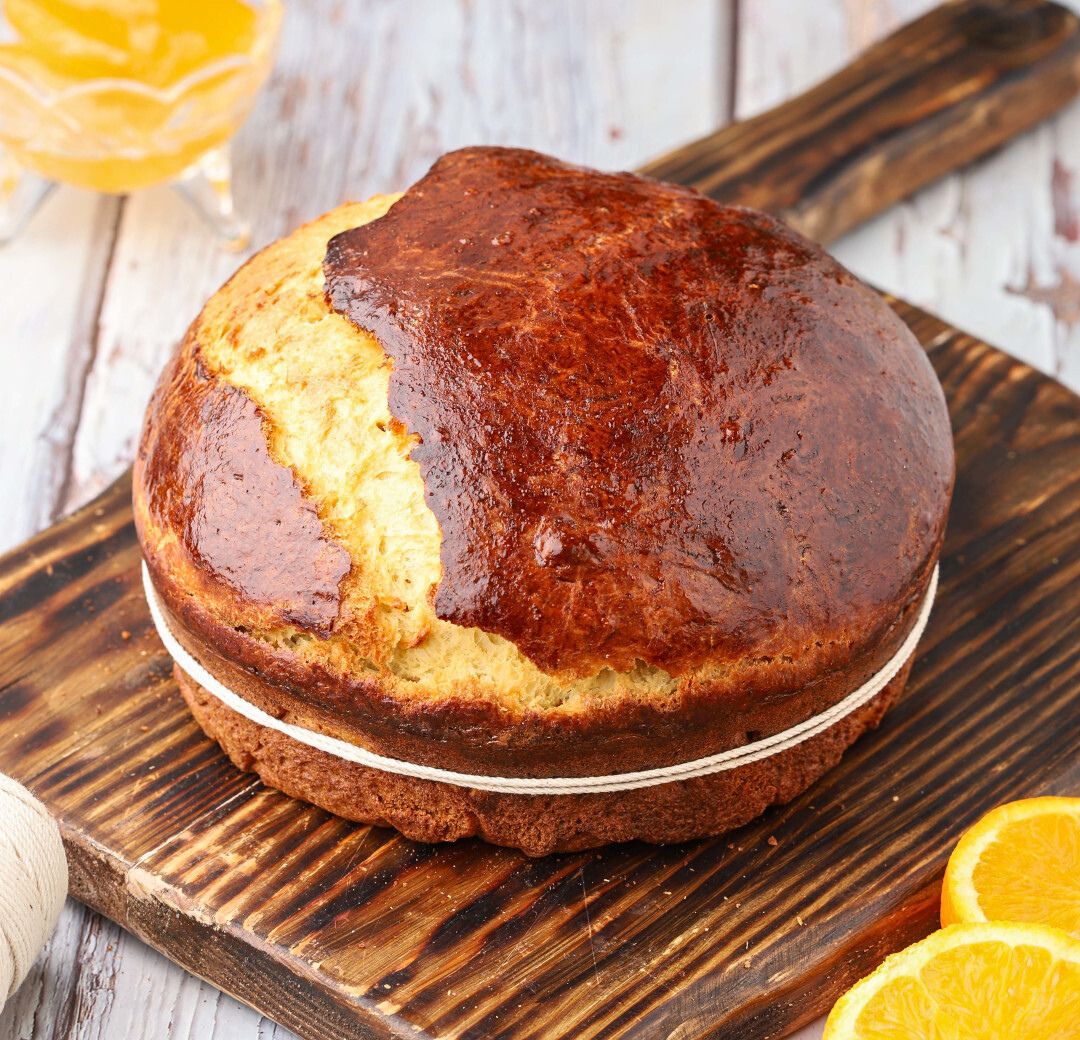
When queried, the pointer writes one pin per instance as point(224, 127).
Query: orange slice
point(1020, 862)
point(988, 981)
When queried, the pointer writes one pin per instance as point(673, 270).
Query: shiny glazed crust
point(300, 548)
point(428, 811)
point(652, 428)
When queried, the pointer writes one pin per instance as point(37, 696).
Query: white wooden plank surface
point(51, 288)
point(366, 94)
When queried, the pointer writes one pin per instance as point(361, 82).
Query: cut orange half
point(1020, 862)
point(993, 981)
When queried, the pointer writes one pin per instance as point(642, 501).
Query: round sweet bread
point(540, 472)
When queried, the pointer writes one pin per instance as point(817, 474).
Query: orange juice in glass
point(116, 95)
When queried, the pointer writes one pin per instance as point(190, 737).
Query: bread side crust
point(429, 811)
point(468, 732)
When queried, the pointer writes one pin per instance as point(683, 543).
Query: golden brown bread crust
point(262, 508)
point(352, 671)
point(239, 516)
point(428, 811)
point(652, 428)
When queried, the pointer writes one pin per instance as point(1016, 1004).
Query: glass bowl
point(62, 120)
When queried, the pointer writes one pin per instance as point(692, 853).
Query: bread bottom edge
point(425, 810)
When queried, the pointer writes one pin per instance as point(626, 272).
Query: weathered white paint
point(50, 283)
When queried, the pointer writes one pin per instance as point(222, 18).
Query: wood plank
point(46, 339)
point(342, 930)
point(816, 42)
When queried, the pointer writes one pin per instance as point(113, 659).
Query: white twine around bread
point(33, 881)
point(555, 785)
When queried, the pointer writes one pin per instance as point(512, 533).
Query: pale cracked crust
point(428, 811)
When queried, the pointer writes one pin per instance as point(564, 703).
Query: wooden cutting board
point(338, 930)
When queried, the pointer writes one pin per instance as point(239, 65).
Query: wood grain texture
point(942, 91)
point(38, 423)
point(341, 930)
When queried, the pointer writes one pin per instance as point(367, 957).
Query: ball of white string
point(33, 881)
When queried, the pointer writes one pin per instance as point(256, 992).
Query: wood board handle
point(935, 95)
